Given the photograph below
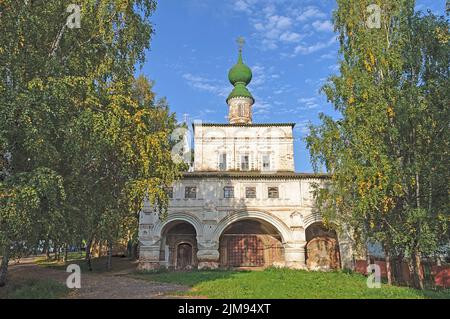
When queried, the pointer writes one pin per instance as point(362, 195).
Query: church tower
point(240, 100)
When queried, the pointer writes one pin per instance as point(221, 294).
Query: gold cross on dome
point(241, 42)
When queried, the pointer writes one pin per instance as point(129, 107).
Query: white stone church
point(242, 204)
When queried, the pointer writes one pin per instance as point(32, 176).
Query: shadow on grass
point(98, 264)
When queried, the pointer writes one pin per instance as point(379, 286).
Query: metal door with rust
point(244, 251)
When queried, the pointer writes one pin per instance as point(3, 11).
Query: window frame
point(262, 162)
point(223, 165)
point(272, 190)
point(188, 194)
point(247, 192)
point(228, 192)
point(242, 162)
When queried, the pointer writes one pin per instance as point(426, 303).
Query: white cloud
point(269, 44)
point(310, 13)
point(307, 99)
point(244, 5)
point(280, 22)
point(323, 26)
point(290, 37)
point(270, 9)
point(308, 103)
point(278, 26)
point(330, 55)
point(308, 49)
point(274, 29)
point(259, 75)
point(259, 27)
point(302, 127)
point(261, 107)
point(206, 85)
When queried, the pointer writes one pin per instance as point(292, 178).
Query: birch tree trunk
point(419, 281)
point(388, 265)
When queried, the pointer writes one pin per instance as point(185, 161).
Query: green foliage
point(82, 142)
point(388, 153)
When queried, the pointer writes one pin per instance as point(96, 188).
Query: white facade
point(263, 144)
point(290, 212)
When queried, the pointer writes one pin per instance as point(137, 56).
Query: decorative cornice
point(256, 175)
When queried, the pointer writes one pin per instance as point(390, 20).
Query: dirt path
point(113, 285)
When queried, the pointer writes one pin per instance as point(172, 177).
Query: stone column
point(149, 241)
point(208, 255)
point(294, 250)
point(294, 254)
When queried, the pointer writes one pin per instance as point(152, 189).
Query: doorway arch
point(179, 245)
point(322, 248)
point(250, 243)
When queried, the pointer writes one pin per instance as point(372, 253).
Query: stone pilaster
point(149, 257)
point(208, 255)
point(294, 254)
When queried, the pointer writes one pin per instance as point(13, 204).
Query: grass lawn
point(283, 284)
point(34, 289)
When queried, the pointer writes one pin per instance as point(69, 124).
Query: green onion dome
point(240, 76)
point(240, 73)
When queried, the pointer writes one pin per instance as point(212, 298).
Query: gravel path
point(98, 285)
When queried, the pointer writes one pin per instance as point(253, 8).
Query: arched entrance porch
point(179, 246)
point(250, 243)
point(322, 248)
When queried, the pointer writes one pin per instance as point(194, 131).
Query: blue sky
point(290, 46)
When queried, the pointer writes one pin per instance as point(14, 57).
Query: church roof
point(243, 124)
point(255, 175)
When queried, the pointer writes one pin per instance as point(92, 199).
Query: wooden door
point(184, 256)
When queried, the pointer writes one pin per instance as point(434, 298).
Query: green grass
point(284, 284)
point(35, 289)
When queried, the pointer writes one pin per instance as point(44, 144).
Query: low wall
point(439, 275)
